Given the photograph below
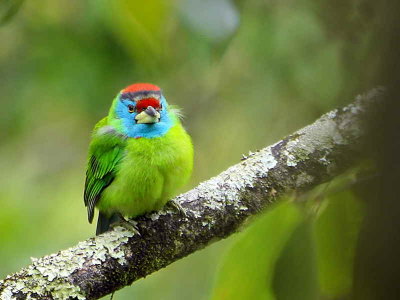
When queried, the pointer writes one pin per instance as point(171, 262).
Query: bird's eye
point(131, 108)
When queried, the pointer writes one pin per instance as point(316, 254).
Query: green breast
point(150, 173)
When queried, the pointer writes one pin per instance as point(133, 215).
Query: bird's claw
point(176, 206)
point(127, 224)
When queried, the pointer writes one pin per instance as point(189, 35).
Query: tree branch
point(214, 210)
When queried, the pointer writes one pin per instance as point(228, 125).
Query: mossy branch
point(214, 210)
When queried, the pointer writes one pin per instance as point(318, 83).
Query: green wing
point(105, 152)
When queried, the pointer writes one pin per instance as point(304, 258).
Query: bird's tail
point(104, 222)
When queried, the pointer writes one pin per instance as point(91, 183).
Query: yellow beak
point(148, 116)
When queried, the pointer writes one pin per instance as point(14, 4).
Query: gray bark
point(213, 210)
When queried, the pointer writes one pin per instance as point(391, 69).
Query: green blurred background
point(246, 73)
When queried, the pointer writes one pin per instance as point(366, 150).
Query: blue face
point(125, 110)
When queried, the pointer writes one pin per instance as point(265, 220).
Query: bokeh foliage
point(246, 73)
point(295, 250)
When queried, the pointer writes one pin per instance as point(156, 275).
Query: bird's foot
point(177, 207)
point(127, 224)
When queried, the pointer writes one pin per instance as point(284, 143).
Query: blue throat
point(131, 129)
point(148, 130)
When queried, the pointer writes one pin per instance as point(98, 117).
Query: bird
point(139, 156)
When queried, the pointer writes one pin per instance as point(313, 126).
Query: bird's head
point(141, 111)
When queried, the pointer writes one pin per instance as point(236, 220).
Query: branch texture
point(213, 210)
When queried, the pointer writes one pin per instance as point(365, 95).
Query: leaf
point(141, 27)
point(247, 271)
point(336, 232)
point(8, 8)
point(296, 275)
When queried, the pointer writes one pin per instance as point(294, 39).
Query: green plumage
point(133, 176)
point(105, 152)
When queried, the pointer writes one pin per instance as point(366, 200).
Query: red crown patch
point(140, 87)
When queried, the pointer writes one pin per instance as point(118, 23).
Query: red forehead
point(144, 103)
point(139, 87)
